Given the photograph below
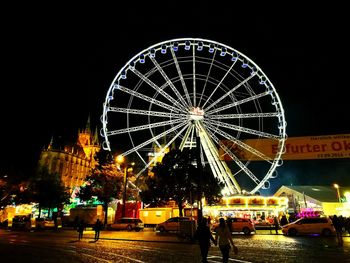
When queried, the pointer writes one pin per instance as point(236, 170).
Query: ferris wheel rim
point(196, 40)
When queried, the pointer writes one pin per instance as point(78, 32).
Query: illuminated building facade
point(253, 207)
point(312, 199)
point(72, 161)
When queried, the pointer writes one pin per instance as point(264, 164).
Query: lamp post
point(336, 186)
point(126, 168)
point(124, 191)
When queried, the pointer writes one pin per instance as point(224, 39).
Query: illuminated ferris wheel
point(178, 90)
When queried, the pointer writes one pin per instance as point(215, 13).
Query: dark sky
point(60, 61)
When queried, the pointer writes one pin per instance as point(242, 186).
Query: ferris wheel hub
point(196, 113)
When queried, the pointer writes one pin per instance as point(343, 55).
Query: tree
point(105, 182)
point(177, 177)
point(211, 188)
point(13, 187)
point(47, 190)
point(151, 193)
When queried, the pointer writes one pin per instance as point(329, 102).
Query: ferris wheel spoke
point(146, 112)
point(168, 81)
point(244, 115)
point(242, 129)
point(148, 99)
point(144, 127)
point(208, 74)
point(218, 85)
point(139, 155)
point(156, 88)
point(240, 164)
point(163, 149)
point(181, 77)
point(155, 138)
point(234, 157)
point(239, 143)
point(194, 75)
point(229, 92)
point(240, 102)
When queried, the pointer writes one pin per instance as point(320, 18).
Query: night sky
point(59, 63)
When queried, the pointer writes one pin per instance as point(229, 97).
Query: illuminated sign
point(296, 148)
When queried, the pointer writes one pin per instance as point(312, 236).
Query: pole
point(336, 186)
point(200, 175)
point(124, 192)
point(338, 193)
point(304, 200)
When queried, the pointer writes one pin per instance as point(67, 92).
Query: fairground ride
point(177, 90)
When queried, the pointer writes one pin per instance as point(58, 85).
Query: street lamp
point(127, 168)
point(336, 186)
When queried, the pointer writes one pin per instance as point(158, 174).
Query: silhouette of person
point(338, 230)
point(284, 220)
point(223, 237)
point(276, 224)
point(80, 229)
point(203, 235)
point(97, 228)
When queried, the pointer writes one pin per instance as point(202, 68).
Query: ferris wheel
point(178, 90)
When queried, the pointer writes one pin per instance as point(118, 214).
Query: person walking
point(276, 224)
point(284, 220)
point(80, 229)
point(203, 235)
point(97, 227)
point(223, 238)
point(338, 230)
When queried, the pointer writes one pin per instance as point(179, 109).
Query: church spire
point(50, 144)
point(95, 138)
point(88, 129)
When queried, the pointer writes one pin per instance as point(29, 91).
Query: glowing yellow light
point(203, 201)
point(99, 210)
point(120, 159)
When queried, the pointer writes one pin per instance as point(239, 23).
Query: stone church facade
point(72, 161)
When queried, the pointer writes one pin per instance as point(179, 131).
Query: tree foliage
point(13, 188)
point(47, 189)
point(178, 178)
point(105, 182)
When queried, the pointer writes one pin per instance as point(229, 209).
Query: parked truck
point(89, 215)
point(153, 216)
